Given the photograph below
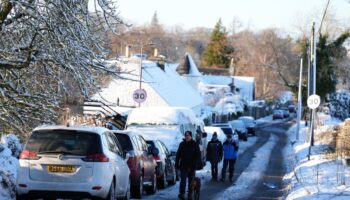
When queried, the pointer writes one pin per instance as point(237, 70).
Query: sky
point(254, 14)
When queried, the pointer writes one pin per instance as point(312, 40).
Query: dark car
point(277, 114)
point(141, 162)
point(249, 123)
point(166, 173)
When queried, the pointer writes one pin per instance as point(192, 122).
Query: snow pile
point(10, 149)
point(321, 177)
point(339, 105)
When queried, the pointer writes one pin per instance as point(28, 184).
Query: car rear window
point(64, 141)
point(227, 130)
point(124, 141)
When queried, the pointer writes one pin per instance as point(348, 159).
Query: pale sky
point(257, 14)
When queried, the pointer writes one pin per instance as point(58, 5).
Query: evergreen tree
point(218, 51)
point(155, 20)
point(327, 55)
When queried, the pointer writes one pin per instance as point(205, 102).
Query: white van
point(167, 124)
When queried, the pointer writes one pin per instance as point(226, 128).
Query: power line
point(324, 14)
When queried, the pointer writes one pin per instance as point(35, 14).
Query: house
point(163, 85)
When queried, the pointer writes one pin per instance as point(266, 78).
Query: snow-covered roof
point(246, 87)
point(167, 83)
point(161, 115)
point(216, 80)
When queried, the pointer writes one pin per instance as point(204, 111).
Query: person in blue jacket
point(230, 150)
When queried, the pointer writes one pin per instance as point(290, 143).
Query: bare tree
point(42, 41)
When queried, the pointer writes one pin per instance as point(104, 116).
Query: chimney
point(127, 53)
point(155, 52)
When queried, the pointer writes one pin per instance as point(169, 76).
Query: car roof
point(220, 125)
point(246, 117)
point(96, 129)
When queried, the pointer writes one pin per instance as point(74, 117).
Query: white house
point(164, 87)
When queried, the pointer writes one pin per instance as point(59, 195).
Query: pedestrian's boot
point(181, 196)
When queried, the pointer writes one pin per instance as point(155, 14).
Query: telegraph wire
point(324, 14)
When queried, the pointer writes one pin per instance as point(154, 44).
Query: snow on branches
point(45, 48)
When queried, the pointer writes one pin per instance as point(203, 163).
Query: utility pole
point(299, 98)
point(314, 80)
point(313, 59)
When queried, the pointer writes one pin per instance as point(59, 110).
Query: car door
point(168, 161)
point(148, 159)
point(115, 162)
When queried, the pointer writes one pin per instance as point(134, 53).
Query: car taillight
point(98, 157)
point(29, 155)
point(156, 157)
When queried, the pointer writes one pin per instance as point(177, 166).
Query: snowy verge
point(321, 177)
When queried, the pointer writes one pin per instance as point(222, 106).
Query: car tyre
point(137, 190)
point(153, 188)
point(162, 180)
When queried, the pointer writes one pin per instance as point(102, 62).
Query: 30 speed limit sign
point(139, 95)
point(313, 101)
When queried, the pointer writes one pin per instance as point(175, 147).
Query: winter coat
point(187, 155)
point(214, 151)
point(230, 149)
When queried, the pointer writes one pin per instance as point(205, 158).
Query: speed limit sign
point(139, 95)
point(313, 101)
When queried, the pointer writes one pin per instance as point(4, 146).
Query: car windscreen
point(70, 142)
point(227, 130)
point(125, 142)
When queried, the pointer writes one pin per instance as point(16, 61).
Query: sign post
point(139, 95)
point(312, 102)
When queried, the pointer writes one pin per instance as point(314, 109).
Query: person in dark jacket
point(214, 154)
point(187, 157)
point(230, 149)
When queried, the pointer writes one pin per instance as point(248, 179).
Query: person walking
point(214, 155)
point(230, 149)
point(187, 157)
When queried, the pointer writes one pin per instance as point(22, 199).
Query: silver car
point(72, 162)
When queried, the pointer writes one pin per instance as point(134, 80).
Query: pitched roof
point(166, 82)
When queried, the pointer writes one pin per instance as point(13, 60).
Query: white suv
point(69, 162)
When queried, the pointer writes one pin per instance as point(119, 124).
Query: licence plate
point(61, 168)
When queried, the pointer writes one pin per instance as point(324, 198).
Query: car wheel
point(173, 180)
point(245, 138)
point(22, 197)
point(137, 190)
point(162, 180)
point(153, 188)
point(111, 193)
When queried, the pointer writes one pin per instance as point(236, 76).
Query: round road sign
point(313, 101)
point(139, 95)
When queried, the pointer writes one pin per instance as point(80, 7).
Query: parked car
point(141, 163)
point(240, 129)
point(210, 131)
point(277, 114)
point(226, 128)
point(292, 108)
point(69, 162)
point(249, 123)
point(166, 172)
point(169, 121)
